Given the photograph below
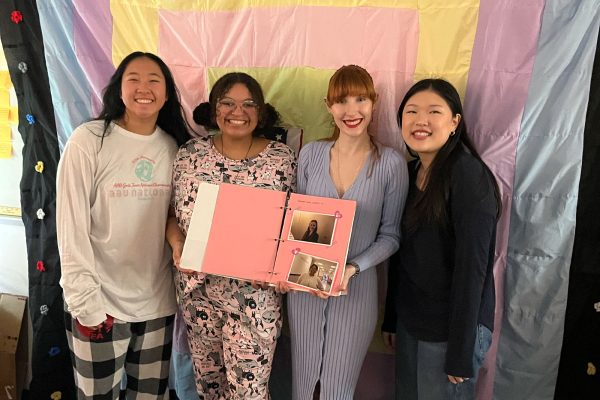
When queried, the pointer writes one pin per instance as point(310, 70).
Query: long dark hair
point(307, 233)
point(205, 113)
point(171, 117)
point(430, 205)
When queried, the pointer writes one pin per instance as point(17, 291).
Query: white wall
point(13, 259)
point(13, 252)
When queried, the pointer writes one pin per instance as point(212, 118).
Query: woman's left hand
point(259, 284)
point(348, 273)
point(457, 379)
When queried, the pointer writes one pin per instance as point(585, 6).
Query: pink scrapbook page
point(258, 234)
point(314, 242)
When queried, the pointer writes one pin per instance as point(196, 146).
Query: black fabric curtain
point(52, 374)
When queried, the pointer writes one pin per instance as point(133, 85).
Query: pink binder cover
point(343, 213)
point(244, 232)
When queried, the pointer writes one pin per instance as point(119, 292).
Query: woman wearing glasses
point(232, 325)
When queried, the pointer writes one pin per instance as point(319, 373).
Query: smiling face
point(313, 269)
point(143, 90)
point(312, 226)
point(350, 100)
point(352, 114)
point(427, 123)
point(236, 112)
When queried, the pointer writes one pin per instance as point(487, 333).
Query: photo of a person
point(312, 227)
point(312, 272)
point(311, 234)
point(311, 279)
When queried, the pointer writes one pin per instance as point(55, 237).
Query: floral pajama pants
point(232, 331)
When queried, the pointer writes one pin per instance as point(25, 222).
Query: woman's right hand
point(177, 248)
point(176, 240)
point(389, 339)
point(94, 328)
point(282, 287)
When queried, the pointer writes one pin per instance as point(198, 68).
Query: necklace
point(422, 177)
point(247, 151)
point(341, 188)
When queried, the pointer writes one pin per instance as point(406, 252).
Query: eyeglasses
point(230, 105)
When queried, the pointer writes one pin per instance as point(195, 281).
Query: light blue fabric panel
point(69, 86)
point(542, 221)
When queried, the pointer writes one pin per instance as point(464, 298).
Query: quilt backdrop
point(529, 74)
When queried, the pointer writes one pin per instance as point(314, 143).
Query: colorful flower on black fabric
point(16, 16)
point(56, 395)
point(40, 266)
point(39, 167)
point(30, 118)
point(23, 67)
point(54, 351)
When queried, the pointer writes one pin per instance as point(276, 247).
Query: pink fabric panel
point(319, 37)
point(92, 25)
point(383, 40)
point(501, 68)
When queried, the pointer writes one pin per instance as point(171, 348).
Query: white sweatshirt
point(112, 205)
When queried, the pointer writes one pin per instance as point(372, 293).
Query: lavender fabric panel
point(501, 68)
point(543, 214)
point(93, 45)
point(68, 84)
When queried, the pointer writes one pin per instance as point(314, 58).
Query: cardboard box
point(13, 345)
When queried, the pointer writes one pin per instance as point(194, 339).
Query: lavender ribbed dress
point(330, 338)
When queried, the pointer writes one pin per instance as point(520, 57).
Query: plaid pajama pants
point(142, 350)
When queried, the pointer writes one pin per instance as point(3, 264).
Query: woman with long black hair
point(441, 289)
point(113, 194)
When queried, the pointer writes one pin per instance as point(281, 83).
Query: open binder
point(258, 234)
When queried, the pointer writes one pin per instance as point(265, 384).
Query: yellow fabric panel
point(13, 115)
point(446, 40)
point(229, 5)
point(5, 140)
point(135, 27)
point(5, 132)
point(5, 82)
point(4, 101)
point(296, 93)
